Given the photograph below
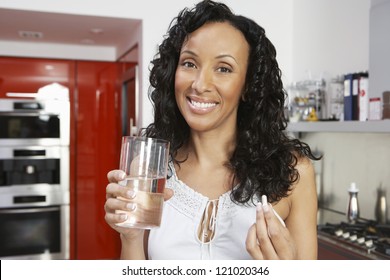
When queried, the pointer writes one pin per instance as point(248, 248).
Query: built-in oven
point(34, 121)
point(34, 232)
point(34, 202)
point(34, 167)
point(34, 179)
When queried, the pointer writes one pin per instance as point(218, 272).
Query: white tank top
point(178, 238)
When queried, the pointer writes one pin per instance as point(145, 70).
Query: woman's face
point(210, 76)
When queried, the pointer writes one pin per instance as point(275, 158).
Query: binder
point(348, 89)
point(363, 97)
point(355, 96)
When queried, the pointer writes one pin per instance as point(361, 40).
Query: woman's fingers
point(269, 238)
point(258, 243)
point(115, 176)
point(262, 233)
point(252, 244)
point(168, 193)
point(279, 235)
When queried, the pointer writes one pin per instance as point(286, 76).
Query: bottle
point(381, 206)
point(353, 204)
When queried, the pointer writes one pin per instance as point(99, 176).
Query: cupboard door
point(98, 143)
point(27, 75)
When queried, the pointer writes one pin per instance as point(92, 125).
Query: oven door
point(34, 122)
point(34, 233)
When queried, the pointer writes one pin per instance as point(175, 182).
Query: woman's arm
point(132, 248)
point(302, 219)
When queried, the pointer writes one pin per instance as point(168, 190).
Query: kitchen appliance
point(34, 178)
point(34, 122)
point(364, 238)
point(34, 232)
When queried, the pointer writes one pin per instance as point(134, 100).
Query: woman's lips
point(201, 107)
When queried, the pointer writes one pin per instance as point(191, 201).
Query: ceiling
point(64, 28)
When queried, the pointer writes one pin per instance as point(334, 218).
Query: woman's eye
point(188, 64)
point(224, 70)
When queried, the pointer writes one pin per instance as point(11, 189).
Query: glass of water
point(145, 161)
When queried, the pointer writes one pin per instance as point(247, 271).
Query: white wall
point(330, 37)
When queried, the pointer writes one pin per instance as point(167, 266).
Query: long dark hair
point(265, 158)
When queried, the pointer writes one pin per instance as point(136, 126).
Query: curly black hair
point(265, 158)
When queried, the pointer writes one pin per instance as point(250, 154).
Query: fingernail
point(124, 217)
point(259, 207)
point(131, 206)
point(130, 194)
point(122, 176)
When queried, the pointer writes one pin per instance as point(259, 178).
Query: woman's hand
point(268, 238)
point(114, 190)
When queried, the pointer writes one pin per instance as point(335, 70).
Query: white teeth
point(202, 105)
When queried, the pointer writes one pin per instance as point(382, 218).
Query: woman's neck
point(210, 148)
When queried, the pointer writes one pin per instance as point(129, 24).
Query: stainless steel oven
point(34, 122)
point(23, 169)
point(34, 232)
point(34, 179)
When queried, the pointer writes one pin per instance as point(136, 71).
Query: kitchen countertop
point(335, 217)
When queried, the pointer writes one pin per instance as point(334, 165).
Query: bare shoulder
point(306, 179)
point(302, 191)
point(305, 167)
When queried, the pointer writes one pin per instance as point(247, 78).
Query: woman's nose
point(202, 81)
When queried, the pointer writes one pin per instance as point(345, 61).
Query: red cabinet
point(28, 74)
point(97, 151)
point(95, 96)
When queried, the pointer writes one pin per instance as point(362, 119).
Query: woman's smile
point(198, 106)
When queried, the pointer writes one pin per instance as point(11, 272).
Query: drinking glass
point(145, 161)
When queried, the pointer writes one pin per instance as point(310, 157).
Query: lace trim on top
point(192, 203)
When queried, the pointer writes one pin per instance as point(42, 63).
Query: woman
point(219, 100)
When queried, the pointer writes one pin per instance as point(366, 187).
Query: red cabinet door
point(27, 75)
point(98, 143)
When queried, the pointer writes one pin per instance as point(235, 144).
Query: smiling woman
point(238, 187)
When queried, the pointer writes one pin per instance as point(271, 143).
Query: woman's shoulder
point(304, 167)
point(304, 188)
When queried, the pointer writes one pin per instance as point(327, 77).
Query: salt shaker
point(353, 204)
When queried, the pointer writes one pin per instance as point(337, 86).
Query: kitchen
point(302, 48)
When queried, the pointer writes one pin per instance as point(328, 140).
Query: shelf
point(380, 126)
